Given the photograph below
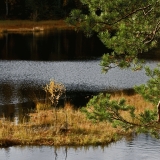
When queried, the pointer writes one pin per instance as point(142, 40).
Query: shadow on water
point(50, 46)
point(16, 103)
point(24, 71)
point(29, 61)
point(57, 45)
point(17, 113)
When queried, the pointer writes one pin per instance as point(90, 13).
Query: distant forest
point(36, 9)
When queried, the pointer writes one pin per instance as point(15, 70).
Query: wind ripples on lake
point(75, 75)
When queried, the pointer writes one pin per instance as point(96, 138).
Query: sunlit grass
point(69, 127)
point(31, 26)
point(72, 128)
point(137, 101)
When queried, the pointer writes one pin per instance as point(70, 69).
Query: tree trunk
point(59, 3)
point(6, 7)
point(158, 110)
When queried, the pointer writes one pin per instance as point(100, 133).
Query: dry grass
point(135, 100)
point(31, 26)
point(70, 127)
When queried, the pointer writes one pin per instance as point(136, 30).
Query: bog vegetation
point(66, 125)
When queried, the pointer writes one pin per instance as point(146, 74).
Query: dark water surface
point(50, 46)
point(29, 61)
point(22, 82)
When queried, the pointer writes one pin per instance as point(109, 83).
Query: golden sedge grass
point(71, 128)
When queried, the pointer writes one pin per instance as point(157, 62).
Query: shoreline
point(42, 130)
point(66, 126)
point(31, 26)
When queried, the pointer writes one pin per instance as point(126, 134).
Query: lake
point(22, 82)
point(29, 61)
point(142, 147)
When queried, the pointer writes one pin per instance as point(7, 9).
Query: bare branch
point(131, 13)
point(145, 13)
point(151, 36)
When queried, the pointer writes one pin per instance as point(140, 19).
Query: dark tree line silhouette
point(36, 9)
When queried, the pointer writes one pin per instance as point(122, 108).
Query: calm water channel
point(142, 147)
point(29, 61)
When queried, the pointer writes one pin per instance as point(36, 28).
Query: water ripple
point(75, 75)
point(83, 75)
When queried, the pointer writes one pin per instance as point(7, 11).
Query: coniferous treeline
point(36, 9)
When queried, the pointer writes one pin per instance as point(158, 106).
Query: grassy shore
point(65, 126)
point(31, 26)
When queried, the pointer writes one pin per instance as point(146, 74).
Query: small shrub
point(54, 91)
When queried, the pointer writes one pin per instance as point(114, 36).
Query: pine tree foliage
point(151, 90)
point(102, 108)
point(127, 27)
